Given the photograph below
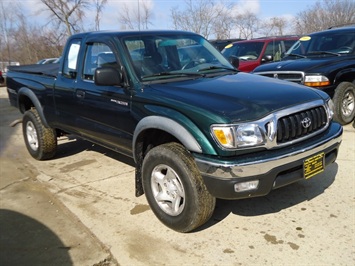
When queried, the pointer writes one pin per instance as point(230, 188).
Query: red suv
point(2, 79)
point(254, 52)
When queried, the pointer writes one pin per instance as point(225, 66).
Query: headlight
point(330, 106)
point(316, 81)
point(249, 135)
point(239, 136)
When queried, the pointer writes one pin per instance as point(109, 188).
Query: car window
point(71, 58)
point(97, 55)
point(244, 51)
point(166, 56)
point(288, 44)
point(274, 49)
point(334, 42)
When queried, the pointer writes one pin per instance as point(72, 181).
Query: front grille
point(301, 124)
point(289, 76)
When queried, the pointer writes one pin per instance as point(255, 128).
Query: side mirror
point(107, 76)
point(234, 60)
point(267, 58)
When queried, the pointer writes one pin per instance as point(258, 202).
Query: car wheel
point(41, 142)
point(174, 188)
point(344, 102)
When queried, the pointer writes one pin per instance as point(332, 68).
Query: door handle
point(80, 94)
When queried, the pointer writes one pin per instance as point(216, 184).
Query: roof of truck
point(130, 33)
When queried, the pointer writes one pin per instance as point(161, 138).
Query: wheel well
point(151, 138)
point(25, 103)
point(147, 140)
point(348, 76)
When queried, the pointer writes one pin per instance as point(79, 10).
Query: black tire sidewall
point(190, 178)
point(47, 142)
point(339, 95)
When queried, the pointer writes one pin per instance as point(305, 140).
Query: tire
point(174, 188)
point(344, 103)
point(41, 142)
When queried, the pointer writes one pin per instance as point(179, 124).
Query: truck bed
point(38, 69)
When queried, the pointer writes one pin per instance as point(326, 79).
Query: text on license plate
point(313, 165)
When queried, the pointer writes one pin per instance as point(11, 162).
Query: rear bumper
point(271, 169)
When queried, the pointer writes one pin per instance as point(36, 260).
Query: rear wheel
point(344, 102)
point(41, 142)
point(174, 188)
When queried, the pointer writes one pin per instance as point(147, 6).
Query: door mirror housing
point(267, 58)
point(234, 60)
point(108, 76)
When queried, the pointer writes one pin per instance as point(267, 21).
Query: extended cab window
point(71, 58)
point(97, 55)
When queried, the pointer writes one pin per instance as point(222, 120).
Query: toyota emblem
point(306, 122)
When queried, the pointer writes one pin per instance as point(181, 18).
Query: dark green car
point(197, 128)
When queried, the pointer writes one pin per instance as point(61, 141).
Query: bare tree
point(223, 25)
point(34, 42)
point(99, 6)
point(138, 17)
point(69, 13)
point(325, 14)
point(6, 27)
point(276, 26)
point(201, 16)
point(248, 24)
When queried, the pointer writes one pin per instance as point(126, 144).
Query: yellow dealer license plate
point(313, 165)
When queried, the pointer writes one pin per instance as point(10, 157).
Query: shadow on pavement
point(25, 241)
point(72, 145)
point(274, 202)
point(277, 200)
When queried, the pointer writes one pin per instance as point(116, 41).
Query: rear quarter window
point(71, 59)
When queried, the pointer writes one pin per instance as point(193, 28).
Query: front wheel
point(344, 102)
point(41, 142)
point(174, 188)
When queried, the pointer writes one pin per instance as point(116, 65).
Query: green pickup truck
point(197, 128)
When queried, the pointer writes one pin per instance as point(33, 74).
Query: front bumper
point(273, 169)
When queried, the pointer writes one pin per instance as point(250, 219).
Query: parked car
point(3, 69)
point(2, 79)
point(323, 60)
point(255, 52)
point(221, 43)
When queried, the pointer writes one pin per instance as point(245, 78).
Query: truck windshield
point(175, 56)
point(244, 51)
point(332, 44)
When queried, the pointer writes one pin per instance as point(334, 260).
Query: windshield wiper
point(218, 67)
point(325, 52)
point(179, 74)
point(296, 55)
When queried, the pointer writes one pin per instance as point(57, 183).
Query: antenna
point(139, 17)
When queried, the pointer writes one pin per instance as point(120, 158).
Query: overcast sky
point(162, 10)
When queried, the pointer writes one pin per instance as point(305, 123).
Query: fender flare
point(345, 72)
point(24, 91)
point(170, 126)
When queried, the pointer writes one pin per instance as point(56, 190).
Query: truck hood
point(231, 98)
point(309, 65)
